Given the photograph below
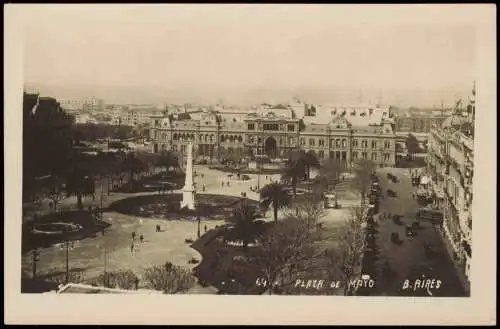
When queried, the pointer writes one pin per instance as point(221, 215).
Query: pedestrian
point(141, 238)
point(133, 235)
point(205, 227)
point(136, 283)
point(203, 187)
point(132, 247)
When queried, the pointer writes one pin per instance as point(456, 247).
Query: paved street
point(409, 260)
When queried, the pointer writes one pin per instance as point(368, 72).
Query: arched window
point(211, 138)
point(222, 138)
point(344, 143)
point(337, 142)
point(175, 137)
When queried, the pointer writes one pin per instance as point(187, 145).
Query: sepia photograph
point(256, 151)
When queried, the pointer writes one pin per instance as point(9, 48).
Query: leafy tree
point(55, 192)
point(295, 170)
point(276, 195)
point(168, 159)
point(132, 165)
point(80, 183)
point(364, 169)
point(412, 145)
point(245, 228)
point(169, 278)
point(331, 171)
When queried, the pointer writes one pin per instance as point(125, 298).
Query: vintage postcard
point(312, 163)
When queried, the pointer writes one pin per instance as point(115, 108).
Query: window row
point(231, 138)
point(273, 127)
point(373, 156)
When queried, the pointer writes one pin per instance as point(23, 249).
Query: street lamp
point(102, 197)
point(68, 245)
point(36, 259)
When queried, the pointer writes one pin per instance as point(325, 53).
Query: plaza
point(91, 256)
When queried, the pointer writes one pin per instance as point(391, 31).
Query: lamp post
point(199, 223)
point(36, 259)
point(102, 197)
point(67, 247)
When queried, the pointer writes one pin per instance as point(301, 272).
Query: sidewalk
point(457, 267)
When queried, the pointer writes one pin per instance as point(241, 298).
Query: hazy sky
point(244, 53)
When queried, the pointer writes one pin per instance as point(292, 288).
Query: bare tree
point(344, 260)
point(311, 210)
point(285, 248)
point(169, 278)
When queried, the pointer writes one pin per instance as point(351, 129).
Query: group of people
point(141, 238)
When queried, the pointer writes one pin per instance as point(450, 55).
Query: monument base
point(187, 199)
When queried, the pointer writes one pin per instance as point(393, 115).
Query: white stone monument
point(188, 189)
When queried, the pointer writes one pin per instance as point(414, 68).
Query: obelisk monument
point(188, 189)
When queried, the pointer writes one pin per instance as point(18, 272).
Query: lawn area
point(208, 206)
point(232, 270)
point(165, 181)
point(87, 257)
point(89, 228)
point(225, 267)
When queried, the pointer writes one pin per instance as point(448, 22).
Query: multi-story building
point(337, 132)
point(418, 121)
point(86, 104)
point(450, 163)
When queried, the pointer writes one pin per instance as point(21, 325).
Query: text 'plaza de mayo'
point(345, 133)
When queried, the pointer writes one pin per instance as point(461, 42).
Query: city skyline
point(322, 54)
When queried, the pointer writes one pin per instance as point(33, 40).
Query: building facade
point(450, 163)
point(417, 123)
point(86, 104)
point(275, 131)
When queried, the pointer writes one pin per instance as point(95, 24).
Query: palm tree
point(244, 226)
point(80, 183)
point(294, 171)
point(276, 195)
